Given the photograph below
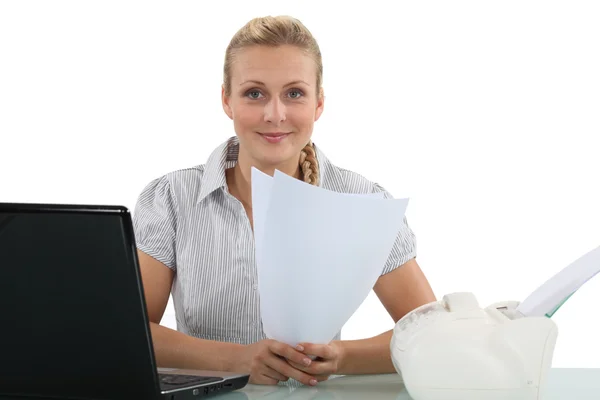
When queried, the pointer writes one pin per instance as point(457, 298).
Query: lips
point(274, 137)
point(274, 134)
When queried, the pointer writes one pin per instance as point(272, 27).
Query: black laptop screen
point(73, 322)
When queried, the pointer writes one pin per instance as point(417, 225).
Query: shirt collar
point(222, 158)
point(226, 155)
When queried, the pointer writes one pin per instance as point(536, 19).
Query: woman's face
point(273, 103)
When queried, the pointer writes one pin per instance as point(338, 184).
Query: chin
point(276, 151)
point(275, 158)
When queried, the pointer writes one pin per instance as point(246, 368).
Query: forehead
point(273, 65)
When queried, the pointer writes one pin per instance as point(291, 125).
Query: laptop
point(73, 320)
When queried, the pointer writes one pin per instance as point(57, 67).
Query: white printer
point(453, 349)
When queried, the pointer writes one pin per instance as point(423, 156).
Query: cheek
point(303, 117)
point(246, 117)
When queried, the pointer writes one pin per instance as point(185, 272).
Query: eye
point(253, 94)
point(296, 94)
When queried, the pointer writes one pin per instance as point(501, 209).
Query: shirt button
point(255, 286)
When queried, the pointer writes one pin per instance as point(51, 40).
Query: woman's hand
point(269, 362)
point(327, 359)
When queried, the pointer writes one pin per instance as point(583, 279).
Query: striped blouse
point(187, 220)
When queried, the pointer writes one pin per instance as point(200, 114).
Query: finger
point(301, 367)
point(318, 350)
point(288, 352)
point(283, 367)
point(261, 373)
point(272, 374)
point(315, 368)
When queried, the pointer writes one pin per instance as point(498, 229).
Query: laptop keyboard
point(185, 380)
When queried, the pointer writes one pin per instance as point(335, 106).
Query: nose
point(275, 111)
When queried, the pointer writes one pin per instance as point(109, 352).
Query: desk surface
point(563, 384)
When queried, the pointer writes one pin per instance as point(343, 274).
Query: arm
point(173, 348)
point(400, 292)
point(155, 222)
point(264, 360)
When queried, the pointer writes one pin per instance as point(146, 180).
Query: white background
point(485, 114)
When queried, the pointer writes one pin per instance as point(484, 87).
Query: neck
point(239, 178)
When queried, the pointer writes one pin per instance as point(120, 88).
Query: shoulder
point(343, 180)
point(178, 191)
point(179, 184)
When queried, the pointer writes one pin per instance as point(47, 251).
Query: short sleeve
point(155, 223)
point(405, 247)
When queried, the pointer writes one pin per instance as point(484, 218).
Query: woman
point(194, 226)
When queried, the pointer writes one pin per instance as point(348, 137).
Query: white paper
point(546, 299)
point(318, 253)
point(261, 188)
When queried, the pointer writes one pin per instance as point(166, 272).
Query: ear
point(225, 101)
point(320, 105)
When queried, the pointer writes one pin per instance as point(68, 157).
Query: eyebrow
point(262, 83)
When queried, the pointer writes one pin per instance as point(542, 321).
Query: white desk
point(563, 384)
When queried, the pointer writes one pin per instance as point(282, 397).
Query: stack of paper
point(319, 254)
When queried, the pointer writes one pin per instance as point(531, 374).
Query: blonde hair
point(279, 31)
